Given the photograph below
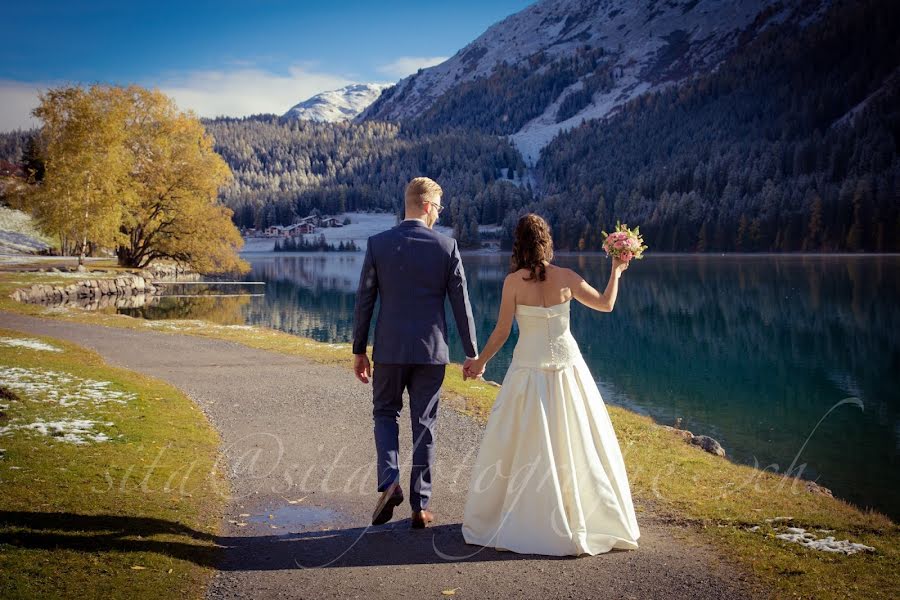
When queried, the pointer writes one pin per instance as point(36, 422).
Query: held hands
point(361, 367)
point(473, 368)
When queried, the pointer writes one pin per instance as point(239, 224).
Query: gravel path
point(297, 440)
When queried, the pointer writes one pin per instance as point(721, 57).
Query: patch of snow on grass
point(186, 325)
point(826, 544)
point(28, 343)
point(52, 261)
point(156, 324)
point(73, 431)
point(76, 275)
point(18, 233)
point(61, 388)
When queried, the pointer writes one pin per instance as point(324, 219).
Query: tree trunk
point(84, 235)
point(126, 257)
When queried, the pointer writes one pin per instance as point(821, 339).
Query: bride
point(549, 477)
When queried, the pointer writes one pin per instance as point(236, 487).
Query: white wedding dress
point(549, 477)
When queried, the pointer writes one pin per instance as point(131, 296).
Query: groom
point(413, 268)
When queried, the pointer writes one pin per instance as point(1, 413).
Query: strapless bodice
point(545, 341)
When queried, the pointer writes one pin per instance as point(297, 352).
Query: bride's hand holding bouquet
point(622, 245)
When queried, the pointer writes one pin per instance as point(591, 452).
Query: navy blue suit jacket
point(412, 268)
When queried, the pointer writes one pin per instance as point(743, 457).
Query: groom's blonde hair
point(421, 189)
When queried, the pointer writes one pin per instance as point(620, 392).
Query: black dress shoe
point(384, 510)
point(421, 519)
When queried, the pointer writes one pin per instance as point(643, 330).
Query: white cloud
point(17, 99)
point(407, 65)
point(233, 92)
point(248, 91)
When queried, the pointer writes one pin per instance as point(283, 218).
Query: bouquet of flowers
point(624, 243)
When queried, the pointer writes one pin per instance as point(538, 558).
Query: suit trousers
point(423, 383)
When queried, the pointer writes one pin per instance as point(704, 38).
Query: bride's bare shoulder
point(516, 276)
point(568, 275)
point(510, 280)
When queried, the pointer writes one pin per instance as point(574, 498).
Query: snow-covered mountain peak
point(337, 105)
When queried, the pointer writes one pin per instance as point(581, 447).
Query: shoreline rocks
point(703, 441)
point(170, 272)
point(708, 444)
point(814, 488)
point(86, 290)
point(714, 447)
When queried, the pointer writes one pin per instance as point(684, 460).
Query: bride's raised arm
point(590, 297)
point(501, 329)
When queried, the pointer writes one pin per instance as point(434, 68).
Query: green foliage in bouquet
point(624, 243)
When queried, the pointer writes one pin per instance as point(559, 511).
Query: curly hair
point(532, 246)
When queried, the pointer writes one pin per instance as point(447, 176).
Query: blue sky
point(228, 57)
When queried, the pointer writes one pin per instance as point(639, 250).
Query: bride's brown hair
point(532, 245)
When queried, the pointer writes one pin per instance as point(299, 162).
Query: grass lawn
point(108, 486)
point(729, 504)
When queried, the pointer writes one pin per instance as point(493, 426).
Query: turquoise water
point(753, 350)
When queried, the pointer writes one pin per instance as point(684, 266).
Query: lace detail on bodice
point(545, 341)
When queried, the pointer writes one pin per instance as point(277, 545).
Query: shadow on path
point(391, 544)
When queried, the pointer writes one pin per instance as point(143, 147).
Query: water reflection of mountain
point(782, 317)
point(312, 271)
point(486, 268)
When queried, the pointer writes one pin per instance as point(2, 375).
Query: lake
point(757, 351)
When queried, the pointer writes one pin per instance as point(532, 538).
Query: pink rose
point(626, 256)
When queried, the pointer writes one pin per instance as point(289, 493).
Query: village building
point(330, 222)
point(304, 226)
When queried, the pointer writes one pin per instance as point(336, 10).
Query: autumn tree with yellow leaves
point(125, 169)
point(82, 141)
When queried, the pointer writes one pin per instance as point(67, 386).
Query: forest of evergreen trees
point(313, 244)
point(512, 95)
point(791, 145)
point(286, 169)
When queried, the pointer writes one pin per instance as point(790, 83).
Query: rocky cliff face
point(580, 59)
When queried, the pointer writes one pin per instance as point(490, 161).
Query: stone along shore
point(87, 290)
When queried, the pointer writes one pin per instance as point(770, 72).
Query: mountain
point(752, 127)
point(559, 62)
point(337, 105)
